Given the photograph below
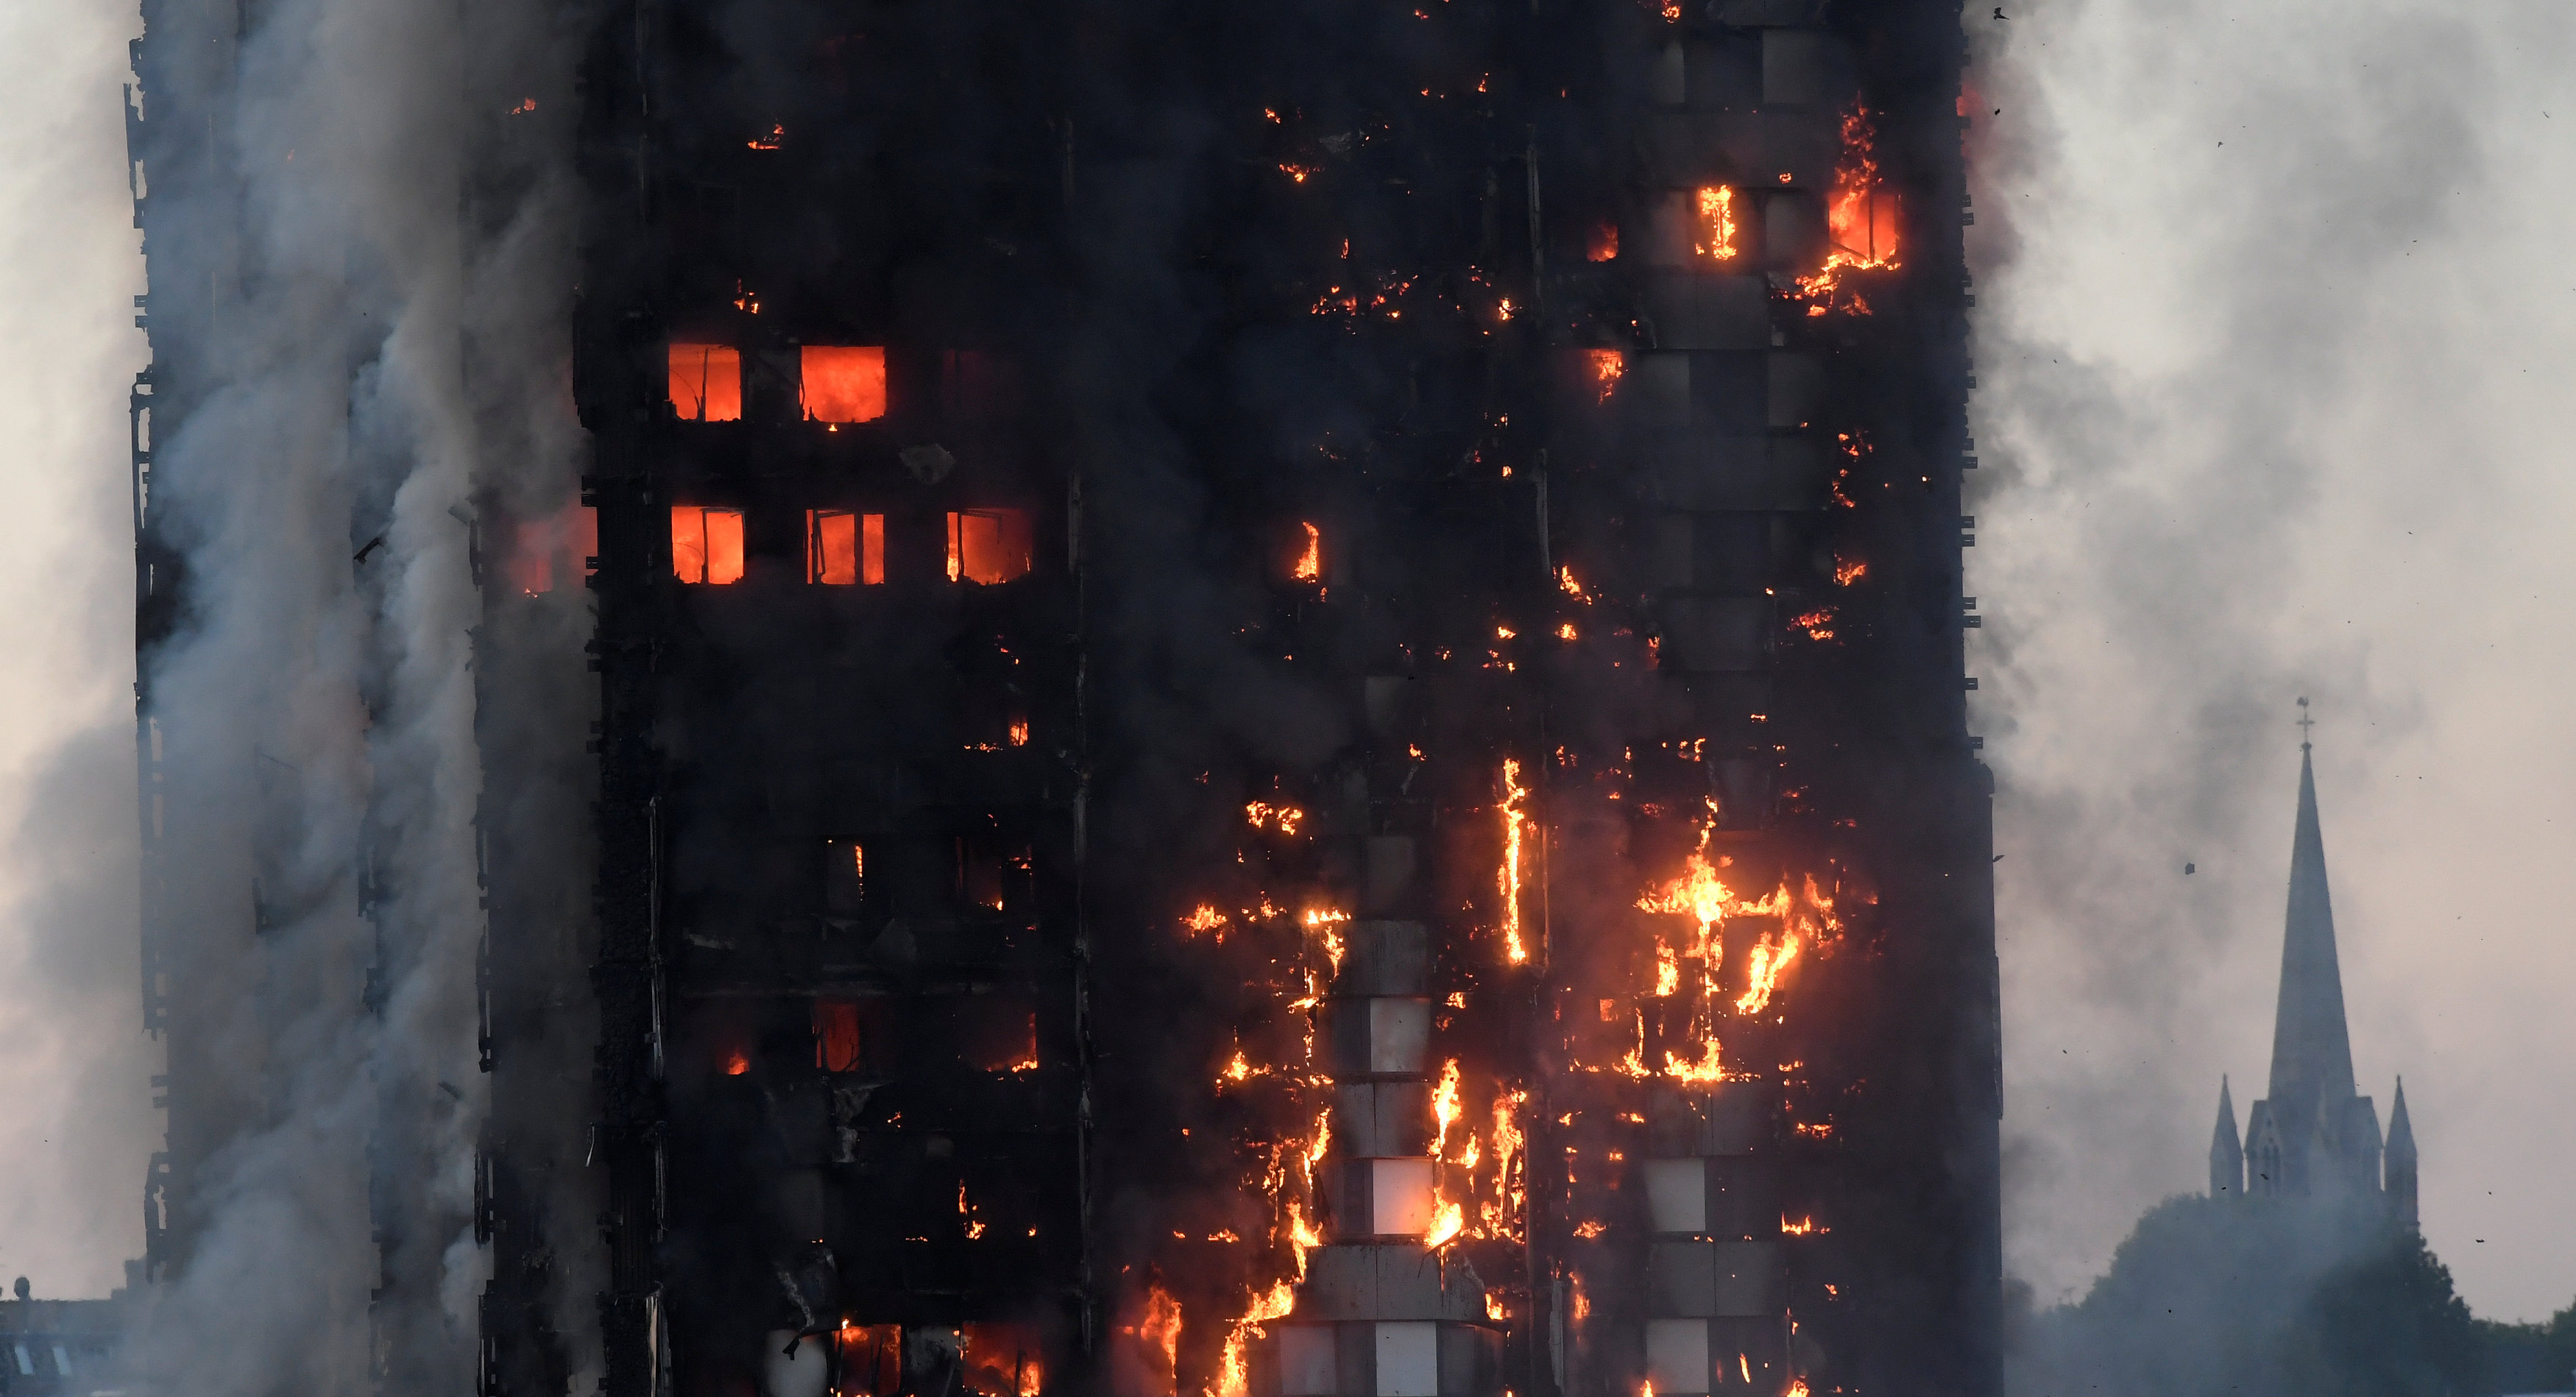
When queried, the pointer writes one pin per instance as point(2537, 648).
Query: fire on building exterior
point(1274, 709)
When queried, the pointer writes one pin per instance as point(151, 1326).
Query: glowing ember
point(1508, 878)
point(1802, 1227)
point(1589, 1229)
point(1310, 564)
point(966, 1210)
point(1818, 624)
point(1297, 173)
point(1713, 230)
point(777, 137)
point(1565, 583)
point(1019, 732)
point(1848, 571)
point(1607, 366)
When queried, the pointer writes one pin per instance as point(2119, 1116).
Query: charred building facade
point(1259, 701)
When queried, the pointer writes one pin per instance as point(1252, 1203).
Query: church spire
point(2311, 1050)
point(2226, 1152)
point(2399, 1161)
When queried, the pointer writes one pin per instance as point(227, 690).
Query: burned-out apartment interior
point(1262, 701)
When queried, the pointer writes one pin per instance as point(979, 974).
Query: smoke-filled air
point(1341, 699)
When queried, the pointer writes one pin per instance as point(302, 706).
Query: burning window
point(1000, 1359)
point(844, 548)
point(988, 546)
point(706, 544)
point(1603, 245)
point(840, 1035)
point(545, 550)
point(844, 383)
point(1713, 223)
point(706, 382)
point(870, 1359)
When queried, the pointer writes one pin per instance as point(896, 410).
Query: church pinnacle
point(2313, 1133)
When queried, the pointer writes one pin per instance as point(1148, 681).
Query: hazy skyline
point(2272, 317)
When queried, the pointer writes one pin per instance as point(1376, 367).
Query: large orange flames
point(1862, 218)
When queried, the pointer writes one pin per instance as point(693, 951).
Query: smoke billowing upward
point(344, 373)
point(2251, 405)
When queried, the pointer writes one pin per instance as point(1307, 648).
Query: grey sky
point(2275, 313)
point(73, 1060)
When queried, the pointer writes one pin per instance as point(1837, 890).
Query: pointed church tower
point(2312, 1133)
point(2226, 1153)
point(2400, 1162)
point(2311, 1052)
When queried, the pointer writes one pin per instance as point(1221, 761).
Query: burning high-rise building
point(1276, 706)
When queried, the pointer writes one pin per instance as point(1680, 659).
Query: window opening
point(840, 1037)
point(988, 546)
point(844, 383)
point(844, 548)
point(706, 544)
point(706, 382)
point(845, 877)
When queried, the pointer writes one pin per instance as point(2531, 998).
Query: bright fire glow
point(1607, 366)
point(706, 544)
point(1862, 218)
point(1508, 878)
point(1284, 818)
point(1444, 1108)
point(844, 383)
point(1603, 245)
point(988, 546)
point(706, 382)
point(1310, 564)
point(1713, 230)
point(844, 549)
point(1205, 917)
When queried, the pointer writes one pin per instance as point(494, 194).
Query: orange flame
point(1285, 818)
point(1161, 1328)
point(1848, 571)
point(1508, 877)
point(1714, 234)
point(1607, 367)
point(1861, 217)
point(1444, 1107)
point(1310, 564)
point(1769, 959)
point(1205, 918)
